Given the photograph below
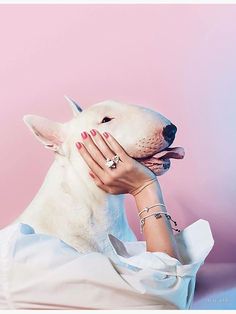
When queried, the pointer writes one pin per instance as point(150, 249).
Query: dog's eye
point(106, 119)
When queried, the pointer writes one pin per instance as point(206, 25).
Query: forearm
point(158, 233)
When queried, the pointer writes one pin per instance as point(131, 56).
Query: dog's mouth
point(160, 162)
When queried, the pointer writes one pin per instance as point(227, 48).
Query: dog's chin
point(159, 162)
point(157, 166)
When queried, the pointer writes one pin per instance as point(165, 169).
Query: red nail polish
point(84, 135)
point(93, 132)
point(78, 145)
point(106, 134)
point(91, 175)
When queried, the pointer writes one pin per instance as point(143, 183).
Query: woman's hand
point(128, 174)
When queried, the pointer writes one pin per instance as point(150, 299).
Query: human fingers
point(116, 147)
point(95, 171)
point(98, 181)
point(133, 171)
point(95, 157)
point(103, 146)
point(98, 148)
point(92, 164)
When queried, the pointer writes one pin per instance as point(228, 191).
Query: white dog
point(69, 205)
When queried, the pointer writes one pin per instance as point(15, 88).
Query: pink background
point(178, 59)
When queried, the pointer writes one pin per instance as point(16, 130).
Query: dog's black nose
point(169, 133)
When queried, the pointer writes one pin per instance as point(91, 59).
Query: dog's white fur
point(69, 205)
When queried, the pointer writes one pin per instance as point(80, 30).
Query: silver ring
point(111, 163)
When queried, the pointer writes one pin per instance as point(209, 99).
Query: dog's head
point(145, 134)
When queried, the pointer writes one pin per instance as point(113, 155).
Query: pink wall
point(178, 59)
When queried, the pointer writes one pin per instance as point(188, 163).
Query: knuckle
point(119, 151)
point(111, 190)
point(122, 171)
point(129, 166)
point(113, 174)
point(108, 180)
point(106, 151)
point(89, 145)
point(88, 142)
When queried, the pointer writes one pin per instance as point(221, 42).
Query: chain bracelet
point(157, 215)
point(148, 207)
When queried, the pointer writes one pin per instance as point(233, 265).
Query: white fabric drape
point(38, 271)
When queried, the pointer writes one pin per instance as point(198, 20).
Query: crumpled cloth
point(38, 271)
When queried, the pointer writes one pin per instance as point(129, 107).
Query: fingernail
point(91, 175)
point(84, 135)
point(93, 132)
point(78, 145)
point(106, 134)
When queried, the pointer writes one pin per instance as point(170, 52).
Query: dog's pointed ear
point(48, 132)
point(76, 109)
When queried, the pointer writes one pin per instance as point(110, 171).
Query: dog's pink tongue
point(173, 152)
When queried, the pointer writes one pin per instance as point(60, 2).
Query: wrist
point(149, 196)
point(137, 191)
point(149, 190)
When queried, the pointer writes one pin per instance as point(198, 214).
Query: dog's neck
point(70, 206)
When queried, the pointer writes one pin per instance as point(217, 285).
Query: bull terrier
point(69, 205)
